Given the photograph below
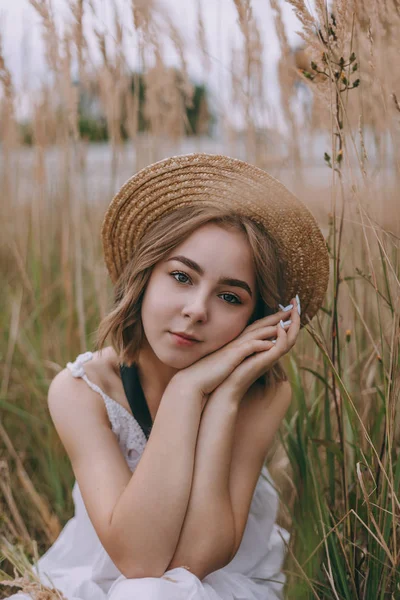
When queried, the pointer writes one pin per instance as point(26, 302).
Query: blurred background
point(93, 90)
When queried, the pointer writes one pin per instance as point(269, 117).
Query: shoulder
point(72, 402)
point(260, 414)
point(280, 392)
point(265, 397)
point(100, 370)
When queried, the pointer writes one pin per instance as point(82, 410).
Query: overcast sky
point(21, 32)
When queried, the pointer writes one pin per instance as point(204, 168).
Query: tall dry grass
point(336, 462)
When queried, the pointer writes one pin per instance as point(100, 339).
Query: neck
point(154, 377)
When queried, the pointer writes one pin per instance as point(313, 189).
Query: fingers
point(287, 336)
point(271, 320)
point(267, 327)
point(294, 328)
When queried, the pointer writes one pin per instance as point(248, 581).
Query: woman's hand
point(251, 368)
point(206, 374)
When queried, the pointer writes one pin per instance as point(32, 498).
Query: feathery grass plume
point(77, 10)
point(185, 87)
point(162, 109)
point(202, 40)
point(69, 90)
point(287, 77)
point(141, 23)
point(109, 78)
point(376, 35)
point(168, 90)
point(9, 137)
point(113, 85)
point(84, 85)
point(8, 130)
point(250, 71)
point(50, 35)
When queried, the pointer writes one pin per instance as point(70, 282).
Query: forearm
point(148, 517)
point(209, 519)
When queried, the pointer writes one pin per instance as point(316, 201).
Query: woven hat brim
point(202, 179)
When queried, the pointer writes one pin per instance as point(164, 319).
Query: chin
point(173, 360)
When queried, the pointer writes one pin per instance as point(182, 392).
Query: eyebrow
point(224, 280)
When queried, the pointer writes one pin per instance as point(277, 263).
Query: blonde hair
point(123, 323)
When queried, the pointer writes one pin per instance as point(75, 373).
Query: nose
point(196, 310)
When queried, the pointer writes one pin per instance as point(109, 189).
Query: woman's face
point(179, 298)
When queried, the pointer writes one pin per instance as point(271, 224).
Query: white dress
point(78, 565)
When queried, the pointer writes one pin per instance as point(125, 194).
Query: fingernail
point(286, 308)
point(298, 304)
point(283, 324)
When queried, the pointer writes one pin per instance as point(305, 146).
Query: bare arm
point(231, 450)
point(138, 517)
point(208, 529)
point(148, 516)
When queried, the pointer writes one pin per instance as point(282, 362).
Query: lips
point(186, 337)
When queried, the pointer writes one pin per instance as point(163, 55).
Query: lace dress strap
point(78, 370)
point(122, 422)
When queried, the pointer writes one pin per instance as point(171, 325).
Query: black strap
point(136, 397)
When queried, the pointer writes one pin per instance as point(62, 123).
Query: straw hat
point(210, 179)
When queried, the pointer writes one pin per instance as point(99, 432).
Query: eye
point(179, 273)
point(238, 301)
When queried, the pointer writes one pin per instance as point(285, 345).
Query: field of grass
point(336, 460)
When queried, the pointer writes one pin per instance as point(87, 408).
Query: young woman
point(167, 435)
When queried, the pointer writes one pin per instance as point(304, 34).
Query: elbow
point(133, 565)
point(134, 571)
point(132, 568)
point(133, 559)
point(206, 558)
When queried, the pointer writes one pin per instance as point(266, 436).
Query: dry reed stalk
point(50, 36)
point(40, 133)
point(40, 591)
point(8, 134)
point(6, 489)
point(77, 10)
point(19, 254)
point(66, 270)
point(183, 81)
point(64, 109)
point(13, 334)
point(68, 90)
point(30, 582)
point(168, 90)
point(287, 77)
point(132, 98)
point(251, 72)
point(113, 84)
point(144, 16)
point(75, 184)
point(141, 17)
point(6, 522)
point(202, 41)
point(131, 106)
point(49, 522)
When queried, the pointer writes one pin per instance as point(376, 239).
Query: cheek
point(156, 301)
point(226, 332)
